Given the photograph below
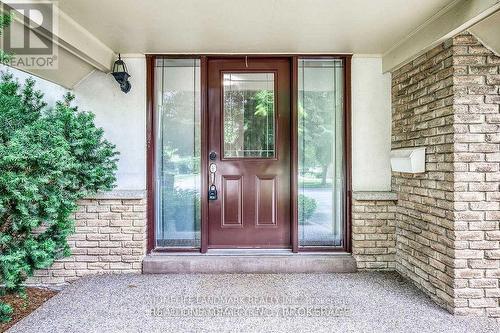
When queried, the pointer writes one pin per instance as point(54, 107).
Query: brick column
point(447, 219)
point(477, 177)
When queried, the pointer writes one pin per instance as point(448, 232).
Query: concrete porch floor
point(357, 302)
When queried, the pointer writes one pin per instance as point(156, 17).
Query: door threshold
point(248, 261)
point(249, 252)
point(246, 252)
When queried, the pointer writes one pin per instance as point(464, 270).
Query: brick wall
point(374, 234)
point(110, 237)
point(447, 220)
point(477, 177)
point(422, 98)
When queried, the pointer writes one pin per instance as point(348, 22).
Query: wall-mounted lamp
point(121, 74)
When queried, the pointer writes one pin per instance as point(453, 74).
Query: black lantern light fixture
point(121, 74)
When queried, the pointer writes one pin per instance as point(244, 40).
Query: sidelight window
point(178, 125)
point(320, 152)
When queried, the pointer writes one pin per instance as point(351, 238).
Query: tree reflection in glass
point(249, 115)
point(178, 152)
point(320, 155)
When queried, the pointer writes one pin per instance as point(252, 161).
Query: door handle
point(213, 169)
point(212, 189)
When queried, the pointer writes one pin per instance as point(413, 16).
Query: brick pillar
point(477, 177)
point(447, 219)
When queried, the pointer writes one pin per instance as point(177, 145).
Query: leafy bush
point(307, 207)
point(49, 158)
point(5, 20)
point(5, 312)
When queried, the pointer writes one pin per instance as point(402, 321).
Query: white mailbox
point(410, 160)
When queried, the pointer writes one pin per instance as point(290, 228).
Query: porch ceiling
point(257, 26)
point(91, 32)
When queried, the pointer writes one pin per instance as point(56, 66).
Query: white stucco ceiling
point(91, 32)
point(253, 26)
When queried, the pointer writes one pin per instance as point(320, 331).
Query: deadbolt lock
point(212, 193)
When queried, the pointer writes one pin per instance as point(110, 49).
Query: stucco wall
point(371, 125)
point(123, 117)
point(52, 92)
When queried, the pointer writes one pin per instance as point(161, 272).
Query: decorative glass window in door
point(249, 120)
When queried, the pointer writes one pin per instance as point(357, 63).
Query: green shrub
point(49, 158)
point(307, 207)
point(5, 312)
point(5, 20)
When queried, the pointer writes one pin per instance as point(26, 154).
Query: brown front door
point(249, 132)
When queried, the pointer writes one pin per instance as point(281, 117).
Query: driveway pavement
point(359, 302)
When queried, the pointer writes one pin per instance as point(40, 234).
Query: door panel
point(249, 129)
point(231, 202)
point(266, 201)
